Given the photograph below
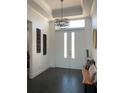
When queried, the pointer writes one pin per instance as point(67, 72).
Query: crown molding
point(40, 9)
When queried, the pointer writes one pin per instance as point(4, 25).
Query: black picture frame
point(38, 40)
point(44, 44)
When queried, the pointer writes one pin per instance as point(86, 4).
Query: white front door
point(69, 49)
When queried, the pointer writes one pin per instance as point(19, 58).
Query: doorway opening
point(29, 48)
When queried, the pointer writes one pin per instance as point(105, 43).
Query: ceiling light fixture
point(62, 22)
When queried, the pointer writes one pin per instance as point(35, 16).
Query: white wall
point(94, 14)
point(39, 62)
point(51, 45)
point(94, 26)
point(83, 41)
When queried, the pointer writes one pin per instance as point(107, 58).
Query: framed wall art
point(95, 38)
point(44, 44)
point(38, 40)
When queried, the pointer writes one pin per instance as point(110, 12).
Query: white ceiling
point(56, 4)
point(72, 8)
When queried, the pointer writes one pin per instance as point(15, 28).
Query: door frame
point(30, 47)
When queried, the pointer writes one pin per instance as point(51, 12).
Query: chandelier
point(62, 22)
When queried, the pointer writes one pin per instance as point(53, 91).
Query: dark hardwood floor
point(57, 80)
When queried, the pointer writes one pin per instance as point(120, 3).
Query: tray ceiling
point(56, 4)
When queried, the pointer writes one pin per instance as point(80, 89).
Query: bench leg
point(85, 88)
